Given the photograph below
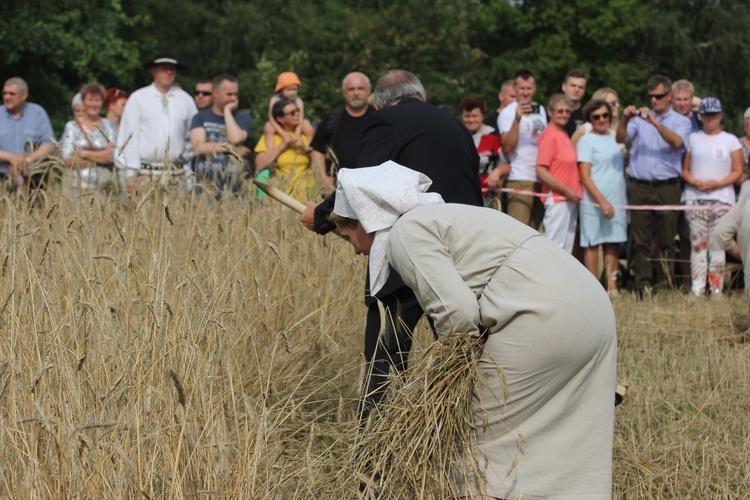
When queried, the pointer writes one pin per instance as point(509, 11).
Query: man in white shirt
point(520, 124)
point(156, 121)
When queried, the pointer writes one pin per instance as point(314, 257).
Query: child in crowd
point(288, 86)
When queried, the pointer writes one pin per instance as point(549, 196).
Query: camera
point(534, 107)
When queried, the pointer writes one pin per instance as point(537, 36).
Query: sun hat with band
point(164, 58)
point(287, 79)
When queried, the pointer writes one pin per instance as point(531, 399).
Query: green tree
point(58, 45)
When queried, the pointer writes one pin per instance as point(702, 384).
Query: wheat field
point(163, 346)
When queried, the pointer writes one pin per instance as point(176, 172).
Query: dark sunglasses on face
point(600, 116)
point(203, 93)
point(293, 112)
point(658, 97)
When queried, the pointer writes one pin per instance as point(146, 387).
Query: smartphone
point(534, 108)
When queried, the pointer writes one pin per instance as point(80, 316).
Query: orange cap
point(286, 79)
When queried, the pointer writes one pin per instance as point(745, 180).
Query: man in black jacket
point(420, 136)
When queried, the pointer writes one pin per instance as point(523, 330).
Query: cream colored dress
point(551, 329)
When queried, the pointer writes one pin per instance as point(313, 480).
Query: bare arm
point(276, 127)
point(734, 174)
point(510, 138)
point(584, 170)
point(235, 135)
point(621, 135)
point(493, 179)
point(42, 151)
point(578, 134)
point(687, 175)
point(200, 146)
point(266, 158)
point(319, 169)
point(298, 128)
point(82, 156)
point(555, 185)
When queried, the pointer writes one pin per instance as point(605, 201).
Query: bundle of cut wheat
point(420, 442)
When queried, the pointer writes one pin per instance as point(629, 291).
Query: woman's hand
point(571, 195)
point(607, 209)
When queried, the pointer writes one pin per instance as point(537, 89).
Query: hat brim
point(164, 60)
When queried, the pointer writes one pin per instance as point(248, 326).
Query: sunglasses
point(204, 93)
point(294, 112)
point(658, 97)
point(616, 102)
point(600, 116)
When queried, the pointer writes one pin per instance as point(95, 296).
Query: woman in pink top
point(557, 168)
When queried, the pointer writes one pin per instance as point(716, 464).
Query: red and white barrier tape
point(624, 207)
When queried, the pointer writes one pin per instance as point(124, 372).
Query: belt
point(153, 166)
point(673, 180)
point(156, 169)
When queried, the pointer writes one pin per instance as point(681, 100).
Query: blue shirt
point(651, 158)
point(33, 126)
point(216, 131)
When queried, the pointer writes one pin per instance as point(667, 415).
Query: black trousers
point(388, 339)
point(645, 224)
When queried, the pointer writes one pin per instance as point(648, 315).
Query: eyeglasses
point(290, 113)
point(600, 116)
point(203, 93)
point(658, 97)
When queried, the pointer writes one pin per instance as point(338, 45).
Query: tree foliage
point(456, 47)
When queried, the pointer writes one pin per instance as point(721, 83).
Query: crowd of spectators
point(592, 175)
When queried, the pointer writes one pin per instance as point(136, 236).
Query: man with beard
point(341, 130)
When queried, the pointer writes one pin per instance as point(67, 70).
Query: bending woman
point(548, 324)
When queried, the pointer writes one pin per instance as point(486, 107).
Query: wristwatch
point(28, 160)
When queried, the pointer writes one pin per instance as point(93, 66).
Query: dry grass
point(167, 347)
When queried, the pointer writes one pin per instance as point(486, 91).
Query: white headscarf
point(377, 197)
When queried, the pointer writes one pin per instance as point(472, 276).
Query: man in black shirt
point(574, 87)
point(341, 131)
